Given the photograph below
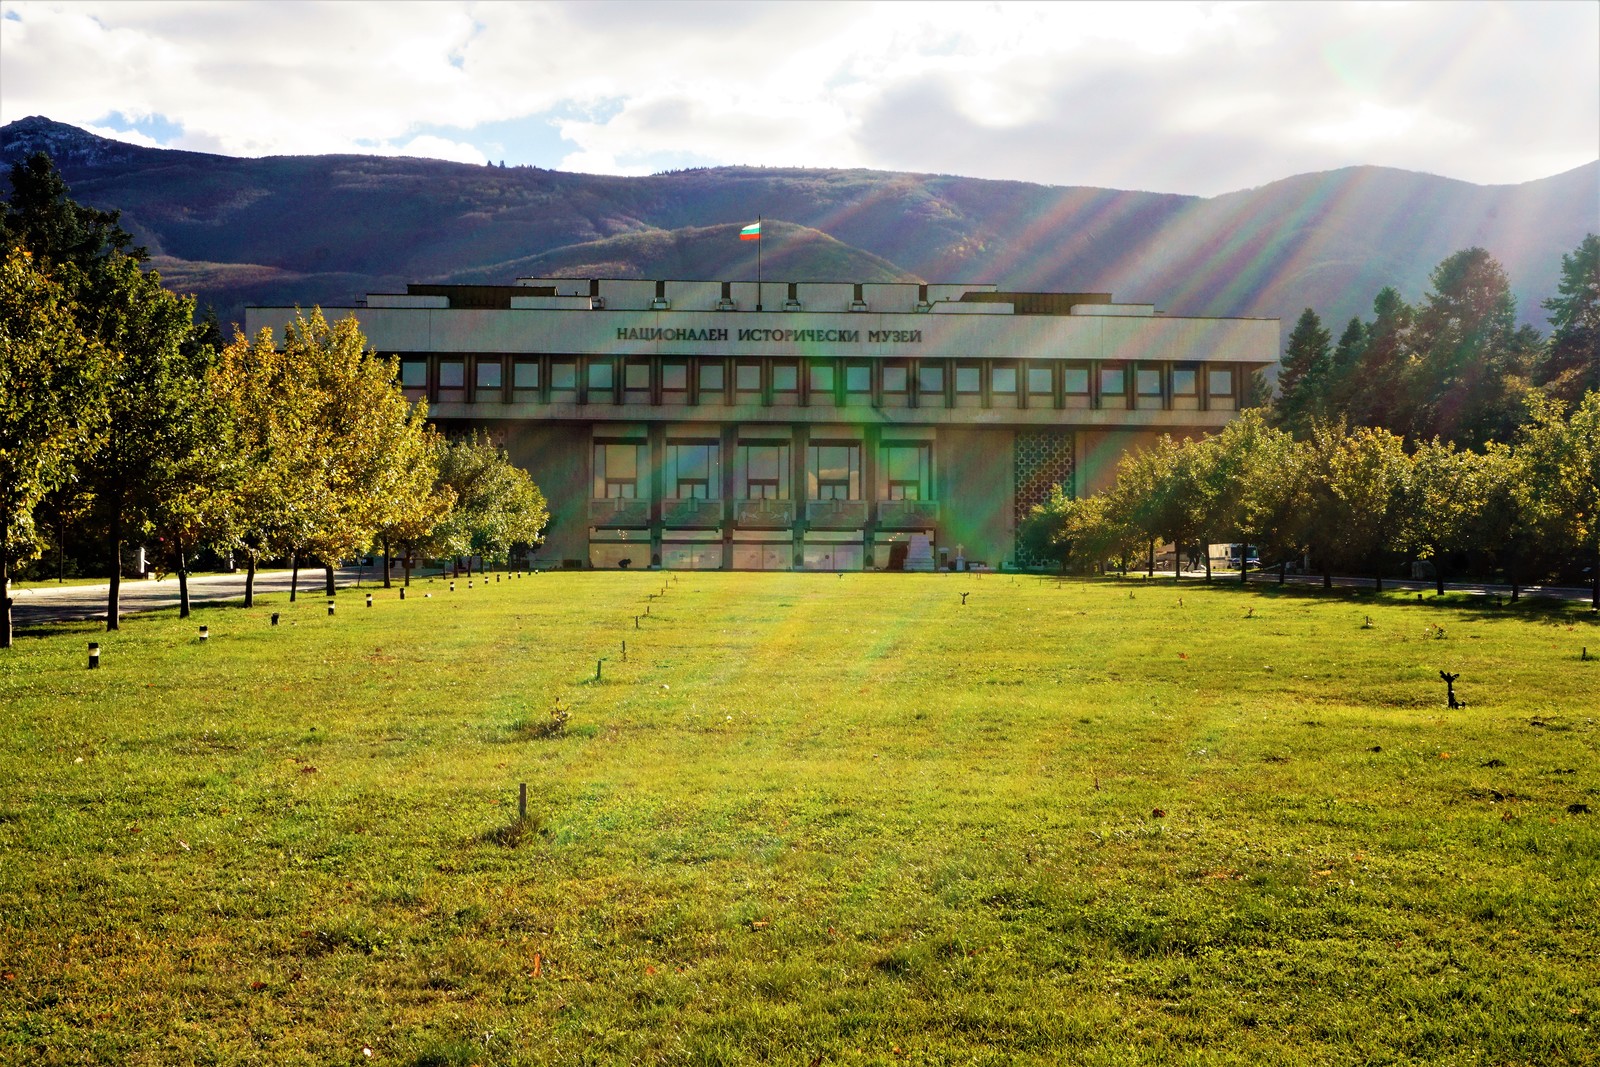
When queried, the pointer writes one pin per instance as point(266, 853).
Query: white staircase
point(919, 554)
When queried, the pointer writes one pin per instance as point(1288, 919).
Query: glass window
point(692, 471)
point(785, 378)
point(636, 376)
point(489, 371)
point(763, 472)
point(711, 377)
point(930, 379)
point(858, 378)
point(600, 374)
point(616, 470)
point(413, 374)
point(675, 376)
point(834, 470)
point(1040, 381)
point(452, 374)
point(1221, 381)
point(1003, 379)
point(1113, 381)
point(908, 469)
point(1149, 381)
point(896, 378)
point(563, 375)
point(525, 374)
point(969, 379)
point(822, 378)
point(1075, 380)
point(747, 377)
point(1185, 382)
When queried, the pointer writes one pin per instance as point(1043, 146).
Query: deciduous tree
point(52, 402)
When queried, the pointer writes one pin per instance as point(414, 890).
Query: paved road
point(49, 603)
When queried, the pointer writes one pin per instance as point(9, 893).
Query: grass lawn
point(807, 820)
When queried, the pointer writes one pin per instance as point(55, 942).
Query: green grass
point(809, 819)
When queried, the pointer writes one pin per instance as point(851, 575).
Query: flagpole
point(758, 262)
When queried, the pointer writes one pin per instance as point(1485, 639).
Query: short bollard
point(469, 583)
point(402, 592)
point(369, 600)
point(497, 579)
point(205, 633)
point(330, 607)
point(522, 801)
point(597, 664)
point(94, 655)
point(452, 587)
point(274, 618)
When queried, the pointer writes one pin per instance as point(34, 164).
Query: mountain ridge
point(256, 230)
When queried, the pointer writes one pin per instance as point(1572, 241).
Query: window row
point(692, 469)
point(837, 382)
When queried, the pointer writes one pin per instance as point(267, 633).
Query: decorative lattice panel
point(1042, 459)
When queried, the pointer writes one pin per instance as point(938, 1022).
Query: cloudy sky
point(1172, 97)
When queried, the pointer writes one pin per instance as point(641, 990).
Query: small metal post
point(205, 632)
point(597, 668)
point(94, 655)
point(624, 651)
point(522, 801)
point(636, 622)
point(452, 587)
point(402, 592)
point(330, 607)
point(369, 600)
point(469, 583)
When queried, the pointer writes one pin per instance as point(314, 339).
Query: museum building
point(830, 426)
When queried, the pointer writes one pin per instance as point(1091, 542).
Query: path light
point(402, 592)
point(94, 655)
point(205, 632)
point(452, 587)
point(369, 600)
point(469, 583)
point(274, 618)
point(330, 607)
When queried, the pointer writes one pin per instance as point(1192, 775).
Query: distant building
point(826, 426)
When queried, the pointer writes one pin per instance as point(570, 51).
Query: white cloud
point(1183, 97)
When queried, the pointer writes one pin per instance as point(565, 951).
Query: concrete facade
point(698, 424)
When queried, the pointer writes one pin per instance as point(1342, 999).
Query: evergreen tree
point(1469, 348)
point(1571, 366)
point(41, 217)
point(1382, 386)
point(1304, 380)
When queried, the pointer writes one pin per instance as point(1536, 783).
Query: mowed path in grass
point(806, 819)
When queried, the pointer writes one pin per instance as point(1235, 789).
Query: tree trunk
point(1283, 571)
point(1377, 576)
point(61, 548)
point(328, 573)
point(5, 591)
point(294, 576)
point(386, 583)
point(1327, 574)
point(405, 565)
point(1244, 566)
point(1177, 560)
point(113, 602)
point(1595, 601)
point(1438, 576)
point(249, 579)
point(1513, 572)
point(1150, 561)
point(183, 578)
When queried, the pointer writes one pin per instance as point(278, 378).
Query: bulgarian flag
point(751, 232)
